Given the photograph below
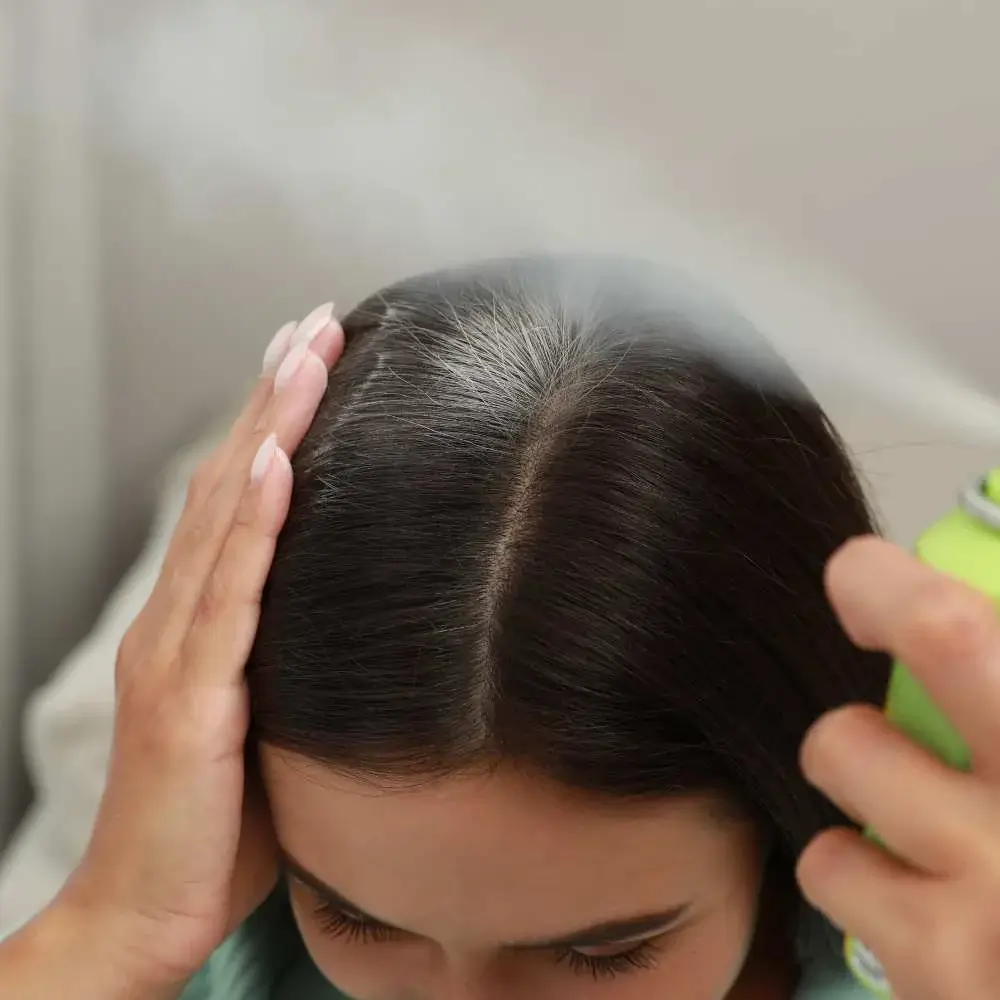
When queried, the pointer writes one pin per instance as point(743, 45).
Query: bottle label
point(867, 969)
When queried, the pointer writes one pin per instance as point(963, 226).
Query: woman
point(542, 637)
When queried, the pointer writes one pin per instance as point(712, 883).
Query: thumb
point(255, 873)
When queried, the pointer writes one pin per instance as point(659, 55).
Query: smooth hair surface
point(535, 523)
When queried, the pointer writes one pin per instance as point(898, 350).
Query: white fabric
point(68, 726)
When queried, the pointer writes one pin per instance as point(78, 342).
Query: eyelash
point(338, 924)
point(642, 956)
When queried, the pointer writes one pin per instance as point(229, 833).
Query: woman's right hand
point(181, 852)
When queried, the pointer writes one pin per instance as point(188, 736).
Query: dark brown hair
point(537, 521)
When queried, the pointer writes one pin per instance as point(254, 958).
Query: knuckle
point(245, 519)
point(130, 701)
point(202, 482)
point(138, 705)
point(195, 533)
point(163, 719)
point(137, 655)
point(130, 649)
point(212, 603)
point(262, 426)
point(948, 621)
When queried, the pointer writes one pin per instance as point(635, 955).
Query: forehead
point(510, 852)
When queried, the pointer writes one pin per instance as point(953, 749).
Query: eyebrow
point(600, 935)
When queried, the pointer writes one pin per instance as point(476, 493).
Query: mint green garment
point(266, 960)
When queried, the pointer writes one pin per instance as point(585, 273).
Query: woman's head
point(543, 635)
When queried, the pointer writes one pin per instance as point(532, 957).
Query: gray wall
point(863, 134)
point(8, 500)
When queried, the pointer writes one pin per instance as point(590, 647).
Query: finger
point(932, 940)
point(256, 869)
point(299, 386)
point(944, 631)
point(255, 872)
point(931, 816)
point(325, 336)
point(225, 622)
point(284, 340)
point(248, 417)
point(206, 476)
point(199, 546)
point(863, 891)
point(326, 344)
point(226, 613)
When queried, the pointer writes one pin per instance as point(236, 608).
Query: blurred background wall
point(177, 178)
point(8, 555)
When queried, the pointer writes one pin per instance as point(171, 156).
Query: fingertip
point(821, 859)
point(263, 459)
point(276, 490)
point(852, 557)
point(313, 325)
point(282, 460)
point(315, 376)
point(277, 349)
point(270, 463)
point(863, 579)
point(329, 344)
point(281, 466)
point(835, 733)
point(814, 747)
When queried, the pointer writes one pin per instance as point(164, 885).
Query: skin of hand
point(929, 907)
point(182, 849)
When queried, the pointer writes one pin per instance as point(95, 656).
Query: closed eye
point(337, 922)
point(636, 957)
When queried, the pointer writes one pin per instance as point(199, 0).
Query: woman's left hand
point(930, 911)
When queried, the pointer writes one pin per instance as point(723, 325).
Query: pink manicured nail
point(279, 345)
point(263, 459)
point(291, 364)
point(312, 324)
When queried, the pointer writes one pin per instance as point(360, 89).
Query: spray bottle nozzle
point(982, 500)
point(991, 486)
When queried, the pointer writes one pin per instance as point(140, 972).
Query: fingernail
point(290, 366)
point(263, 458)
point(312, 324)
point(280, 343)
